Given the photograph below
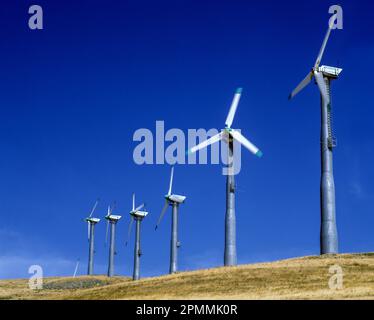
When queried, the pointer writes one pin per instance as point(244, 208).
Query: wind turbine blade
point(133, 201)
point(246, 143)
point(88, 230)
point(206, 143)
point(162, 213)
point(234, 106)
point(94, 208)
point(301, 85)
point(171, 180)
point(129, 230)
point(139, 207)
point(113, 207)
point(321, 51)
point(322, 86)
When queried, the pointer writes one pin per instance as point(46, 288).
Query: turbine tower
point(173, 200)
point(91, 222)
point(112, 221)
point(323, 76)
point(229, 135)
point(138, 215)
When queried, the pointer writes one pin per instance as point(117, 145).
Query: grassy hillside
point(300, 278)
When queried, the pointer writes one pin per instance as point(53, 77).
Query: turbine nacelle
point(175, 198)
point(93, 220)
point(331, 72)
point(113, 217)
point(139, 214)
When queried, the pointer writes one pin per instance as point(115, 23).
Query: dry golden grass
point(299, 278)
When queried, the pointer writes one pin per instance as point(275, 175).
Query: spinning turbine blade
point(129, 230)
point(206, 143)
point(94, 208)
point(162, 213)
point(133, 201)
point(88, 230)
point(139, 207)
point(309, 77)
point(322, 86)
point(321, 51)
point(246, 143)
point(301, 85)
point(234, 106)
point(112, 207)
point(171, 180)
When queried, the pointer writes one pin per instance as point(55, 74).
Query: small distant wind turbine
point(138, 215)
point(229, 135)
point(174, 200)
point(323, 76)
point(112, 221)
point(91, 222)
point(76, 268)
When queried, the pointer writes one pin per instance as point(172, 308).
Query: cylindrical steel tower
point(112, 248)
point(174, 239)
point(329, 235)
point(91, 249)
point(137, 252)
point(230, 219)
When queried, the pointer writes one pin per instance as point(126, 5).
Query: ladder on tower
point(331, 140)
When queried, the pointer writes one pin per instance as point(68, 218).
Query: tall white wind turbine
point(91, 222)
point(323, 76)
point(173, 200)
point(138, 215)
point(228, 135)
point(111, 221)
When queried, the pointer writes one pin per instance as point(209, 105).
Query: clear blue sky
point(73, 94)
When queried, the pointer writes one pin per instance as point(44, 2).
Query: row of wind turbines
point(137, 214)
point(323, 76)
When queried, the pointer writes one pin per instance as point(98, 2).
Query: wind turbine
point(323, 76)
point(138, 215)
point(174, 200)
point(76, 268)
point(112, 221)
point(229, 135)
point(91, 222)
